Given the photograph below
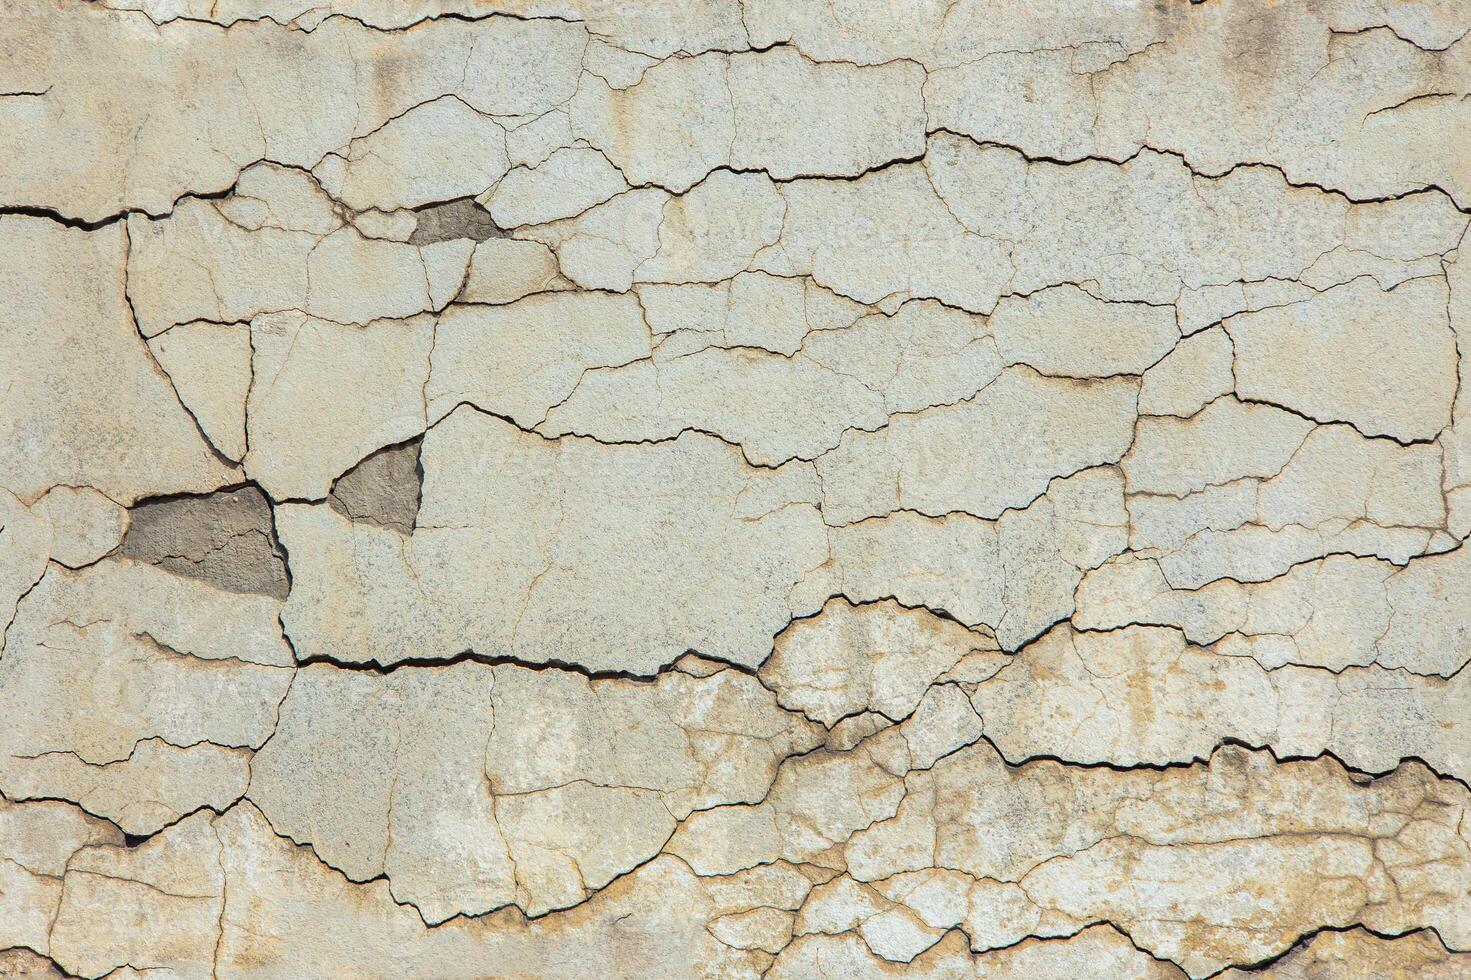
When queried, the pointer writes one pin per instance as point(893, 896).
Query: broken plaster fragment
point(187, 675)
point(438, 151)
point(992, 452)
point(85, 525)
point(773, 111)
point(1065, 331)
point(1194, 374)
point(520, 359)
point(83, 403)
point(878, 657)
point(579, 541)
point(362, 386)
point(563, 185)
point(1339, 365)
point(776, 406)
point(559, 784)
point(209, 366)
point(1143, 695)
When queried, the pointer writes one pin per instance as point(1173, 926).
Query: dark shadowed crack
point(20, 961)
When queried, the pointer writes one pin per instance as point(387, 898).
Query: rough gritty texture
point(383, 489)
point(735, 488)
point(225, 538)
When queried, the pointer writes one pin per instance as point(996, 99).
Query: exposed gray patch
point(456, 219)
point(383, 489)
point(224, 538)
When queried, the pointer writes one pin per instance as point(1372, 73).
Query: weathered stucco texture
point(735, 488)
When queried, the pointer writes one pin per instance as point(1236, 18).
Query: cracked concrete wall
point(568, 488)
